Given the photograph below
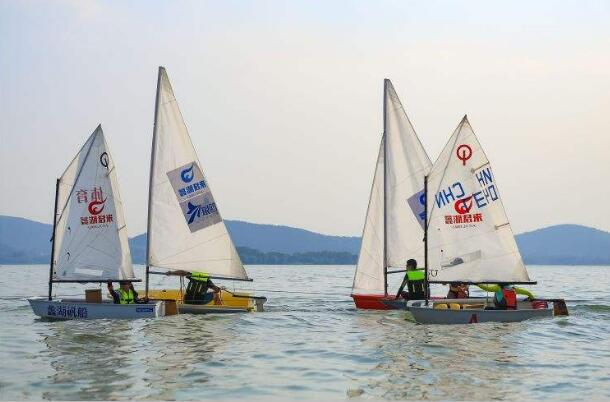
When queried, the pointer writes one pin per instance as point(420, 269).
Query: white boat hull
point(78, 309)
point(429, 315)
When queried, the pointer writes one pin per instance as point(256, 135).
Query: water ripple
point(310, 344)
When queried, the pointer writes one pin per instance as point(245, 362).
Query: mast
point(426, 282)
point(53, 240)
point(385, 189)
point(150, 181)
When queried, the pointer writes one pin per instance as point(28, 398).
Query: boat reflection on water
point(89, 358)
point(469, 362)
point(119, 359)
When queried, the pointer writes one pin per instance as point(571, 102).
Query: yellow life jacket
point(126, 297)
point(199, 276)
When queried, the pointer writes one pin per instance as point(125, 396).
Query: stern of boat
point(377, 302)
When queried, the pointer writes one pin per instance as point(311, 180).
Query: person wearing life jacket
point(458, 291)
point(126, 294)
point(415, 282)
point(197, 289)
point(505, 296)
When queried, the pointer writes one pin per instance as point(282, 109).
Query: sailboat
point(469, 238)
point(186, 233)
point(394, 226)
point(89, 243)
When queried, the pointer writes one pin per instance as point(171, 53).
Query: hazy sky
point(283, 100)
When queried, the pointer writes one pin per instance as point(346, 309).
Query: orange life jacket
point(506, 298)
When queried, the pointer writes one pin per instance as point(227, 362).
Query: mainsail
point(185, 229)
point(90, 235)
point(469, 236)
point(394, 226)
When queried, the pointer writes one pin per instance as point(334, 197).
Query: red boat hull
point(372, 302)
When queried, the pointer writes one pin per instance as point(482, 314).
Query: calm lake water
point(311, 343)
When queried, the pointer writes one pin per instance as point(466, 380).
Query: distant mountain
point(23, 241)
point(273, 238)
point(251, 256)
point(565, 244)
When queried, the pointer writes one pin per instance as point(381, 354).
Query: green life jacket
point(126, 297)
point(197, 288)
point(200, 276)
point(416, 283)
point(416, 275)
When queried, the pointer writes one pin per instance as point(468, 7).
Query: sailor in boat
point(197, 289)
point(126, 293)
point(458, 290)
point(414, 280)
point(505, 296)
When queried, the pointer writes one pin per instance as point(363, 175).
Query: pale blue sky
point(283, 99)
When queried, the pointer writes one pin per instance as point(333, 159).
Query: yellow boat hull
point(227, 303)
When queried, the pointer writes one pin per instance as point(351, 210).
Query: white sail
point(407, 164)
point(186, 231)
point(90, 236)
point(369, 272)
point(401, 167)
point(469, 236)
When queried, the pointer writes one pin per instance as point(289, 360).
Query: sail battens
point(480, 167)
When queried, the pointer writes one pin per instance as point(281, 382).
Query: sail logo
point(464, 202)
point(96, 203)
point(456, 193)
point(463, 206)
point(197, 211)
point(194, 197)
point(96, 207)
point(191, 188)
point(417, 203)
point(463, 153)
point(104, 160)
point(187, 175)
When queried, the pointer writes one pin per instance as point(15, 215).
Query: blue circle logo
point(187, 175)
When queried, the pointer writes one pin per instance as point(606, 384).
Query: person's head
point(125, 285)
point(411, 264)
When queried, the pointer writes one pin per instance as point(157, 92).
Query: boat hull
point(78, 309)
point(377, 302)
point(429, 315)
point(229, 303)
